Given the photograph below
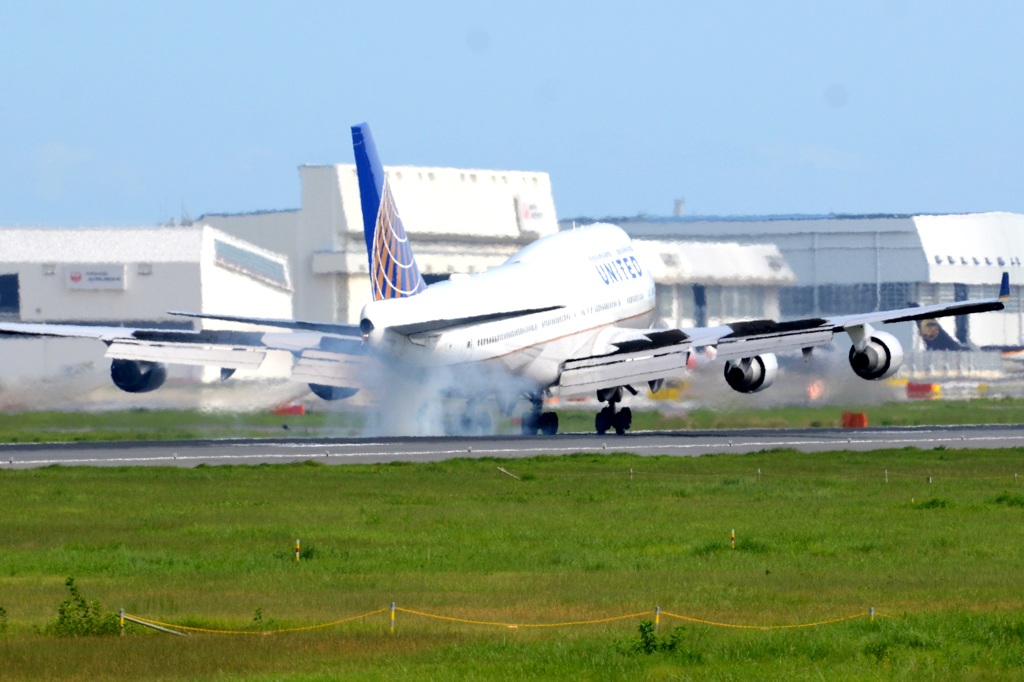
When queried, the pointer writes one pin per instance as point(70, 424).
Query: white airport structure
point(850, 264)
point(127, 277)
point(702, 283)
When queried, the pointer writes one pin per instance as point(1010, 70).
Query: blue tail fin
point(393, 270)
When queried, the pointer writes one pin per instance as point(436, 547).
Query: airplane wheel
point(548, 423)
point(603, 420)
point(529, 422)
point(623, 420)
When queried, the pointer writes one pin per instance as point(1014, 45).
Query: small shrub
point(3, 620)
point(648, 642)
point(260, 622)
point(77, 617)
point(933, 503)
point(1010, 500)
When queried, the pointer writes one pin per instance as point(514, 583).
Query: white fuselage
point(591, 274)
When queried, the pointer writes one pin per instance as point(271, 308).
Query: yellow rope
point(764, 627)
point(521, 625)
point(257, 632)
point(513, 626)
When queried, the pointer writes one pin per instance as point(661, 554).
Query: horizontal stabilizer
point(68, 331)
point(449, 323)
point(332, 369)
point(188, 354)
point(321, 327)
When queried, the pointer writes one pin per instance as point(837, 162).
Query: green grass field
point(578, 538)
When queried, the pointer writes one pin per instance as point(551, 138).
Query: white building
point(713, 283)
point(850, 264)
point(126, 277)
point(459, 220)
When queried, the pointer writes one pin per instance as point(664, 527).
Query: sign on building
point(95, 276)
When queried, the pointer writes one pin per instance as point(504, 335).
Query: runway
point(364, 451)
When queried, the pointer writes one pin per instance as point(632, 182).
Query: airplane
point(569, 314)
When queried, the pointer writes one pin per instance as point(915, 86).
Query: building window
point(846, 299)
point(256, 265)
point(664, 295)
point(796, 302)
point(10, 296)
point(895, 295)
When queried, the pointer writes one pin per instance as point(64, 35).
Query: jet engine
point(332, 392)
point(137, 376)
point(750, 375)
point(880, 359)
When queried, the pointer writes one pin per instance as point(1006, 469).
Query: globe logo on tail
point(394, 272)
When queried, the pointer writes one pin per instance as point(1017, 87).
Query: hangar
point(126, 277)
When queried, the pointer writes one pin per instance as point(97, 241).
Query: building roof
point(675, 262)
point(968, 248)
point(142, 245)
point(101, 245)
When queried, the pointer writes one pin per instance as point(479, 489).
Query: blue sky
point(123, 113)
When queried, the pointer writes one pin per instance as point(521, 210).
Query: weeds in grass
point(3, 620)
point(1010, 500)
point(77, 617)
point(649, 642)
point(933, 503)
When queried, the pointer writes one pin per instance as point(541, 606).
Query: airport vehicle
point(568, 314)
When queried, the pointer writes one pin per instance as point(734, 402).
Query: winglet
point(1004, 287)
point(393, 270)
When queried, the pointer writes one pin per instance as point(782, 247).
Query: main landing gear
point(608, 417)
point(533, 420)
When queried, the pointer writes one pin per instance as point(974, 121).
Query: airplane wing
point(330, 359)
point(633, 356)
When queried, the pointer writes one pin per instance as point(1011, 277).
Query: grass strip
point(575, 538)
